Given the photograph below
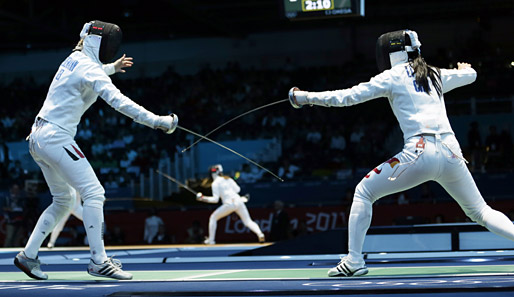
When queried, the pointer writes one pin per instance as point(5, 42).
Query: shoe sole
point(26, 270)
point(101, 275)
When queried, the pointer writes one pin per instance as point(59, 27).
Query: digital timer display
point(309, 9)
point(308, 5)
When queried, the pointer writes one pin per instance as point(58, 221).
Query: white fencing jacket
point(80, 79)
point(416, 111)
point(226, 189)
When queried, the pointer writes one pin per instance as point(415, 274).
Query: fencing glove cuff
point(297, 98)
point(167, 123)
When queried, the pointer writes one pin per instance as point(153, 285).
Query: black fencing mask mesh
point(111, 39)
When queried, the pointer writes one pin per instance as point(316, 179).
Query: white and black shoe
point(110, 268)
point(345, 269)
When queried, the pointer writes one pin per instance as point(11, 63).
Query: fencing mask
point(396, 47)
point(216, 170)
point(110, 38)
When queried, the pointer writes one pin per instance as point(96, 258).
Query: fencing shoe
point(110, 268)
point(345, 268)
point(262, 238)
point(31, 267)
point(209, 242)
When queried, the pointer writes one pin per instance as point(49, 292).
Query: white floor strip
point(499, 253)
point(210, 274)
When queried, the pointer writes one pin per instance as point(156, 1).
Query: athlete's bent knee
point(213, 218)
point(360, 194)
point(478, 215)
point(92, 191)
point(65, 203)
point(94, 201)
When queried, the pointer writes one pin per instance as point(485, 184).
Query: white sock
point(77, 212)
point(358, 224)
point(254, 228)
point(212, 229)
point(57, 229)
point(44, 226)
point(93, 218)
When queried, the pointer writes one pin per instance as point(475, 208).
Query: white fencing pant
point(224, 210)
point(440, 161)
point(76, 211)
point(65, 168)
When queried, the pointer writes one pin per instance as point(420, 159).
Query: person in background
point(152, 224)
point(280, 224)
point(163, 237)
point(227, 189)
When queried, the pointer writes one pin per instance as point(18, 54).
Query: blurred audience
point(14, 217)
point(287, 170)
point(195, 233)
point(116, 236)
point(163, 237)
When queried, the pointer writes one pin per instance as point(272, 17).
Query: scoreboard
point(310, 9)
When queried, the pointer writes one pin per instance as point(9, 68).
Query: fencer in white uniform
point(227, 189)
point(79, 81)
point(431, 151)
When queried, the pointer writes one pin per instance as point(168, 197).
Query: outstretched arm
point(103, 85)
point(378, 86)
point(454, 78)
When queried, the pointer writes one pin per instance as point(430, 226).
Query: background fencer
point(75, 210)
point(431, 151)
point(80, 79)
point(227, 189)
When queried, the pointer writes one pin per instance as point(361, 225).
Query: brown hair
point(79, 46)
point(422, 71)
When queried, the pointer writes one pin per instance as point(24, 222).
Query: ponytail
point(422, 71)
point(79, 46)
